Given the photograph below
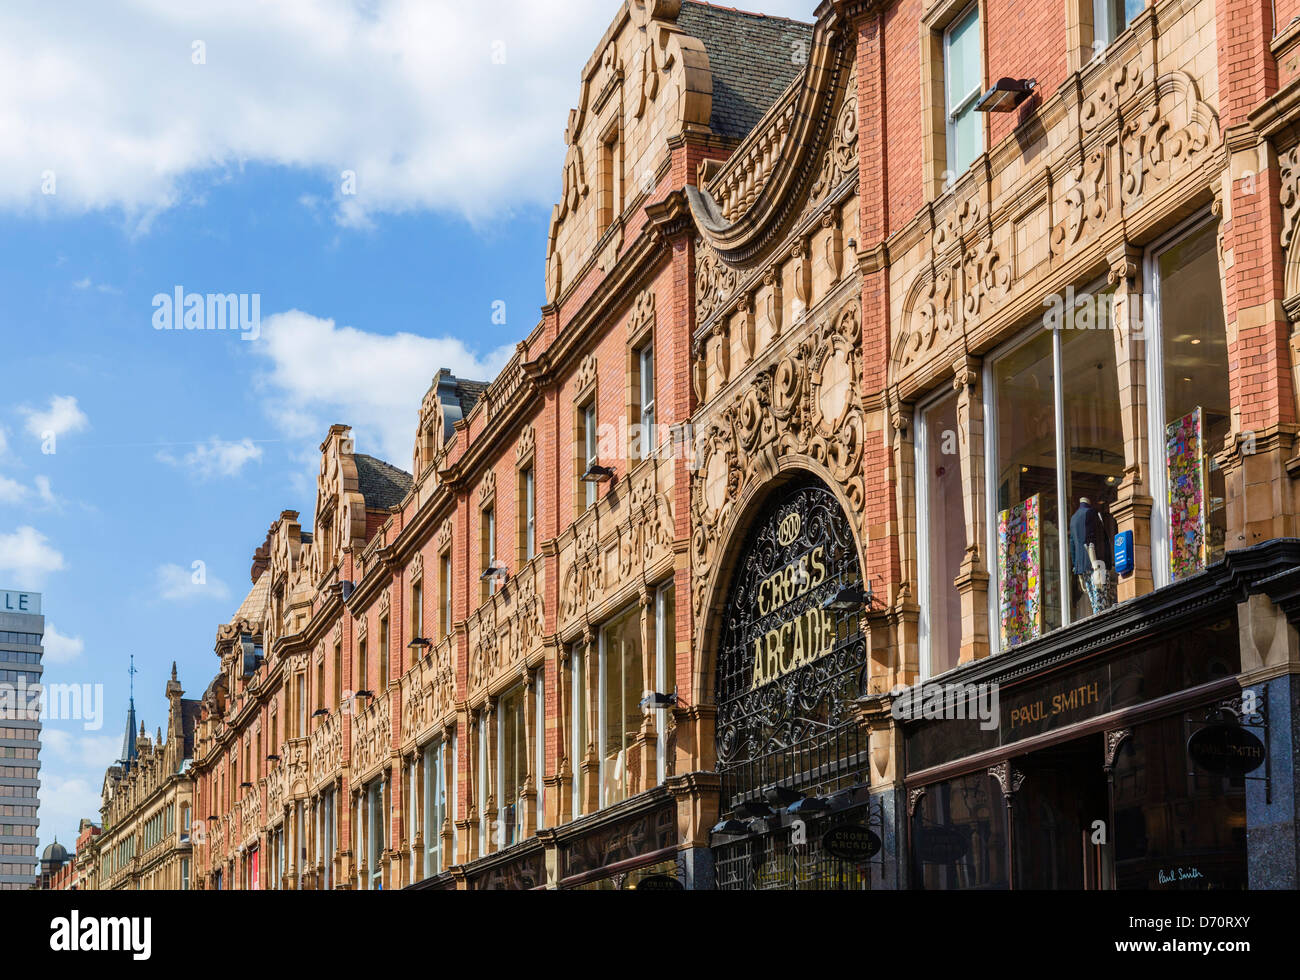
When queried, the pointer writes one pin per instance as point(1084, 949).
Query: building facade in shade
point(22, 628)
point(147, 809)
point(898, 488)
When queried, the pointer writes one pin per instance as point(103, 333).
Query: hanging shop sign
point(1225, 750)
point(849, 842)
point(658, 883)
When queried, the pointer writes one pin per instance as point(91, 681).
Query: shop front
point(791, 666)
point(1103, 764)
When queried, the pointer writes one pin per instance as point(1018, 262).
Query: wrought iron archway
point(788, 674)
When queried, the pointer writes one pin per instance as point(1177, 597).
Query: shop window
point(539, 746)
point(963, 76)
point(1026, 519)
point(1055, 434)
point(1176, 826)
point(665, 676)
point(940, 489)
point(512, 765)
point(1196, 416)
point(577, 725)
point(1094, 449)
point(481, 771)
point(435, 807)
point(375, 848)
point(621, 684)
point(959, 835)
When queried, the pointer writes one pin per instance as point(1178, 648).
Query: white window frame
point(590, 449)
point(539, 747)
point(646, 375)
point(953, 113)
point(577, 671)
point(483, 777)
point(530, 513)
point(1153, 333)
point(664, 677)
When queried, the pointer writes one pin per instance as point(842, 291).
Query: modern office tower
point(21, 629)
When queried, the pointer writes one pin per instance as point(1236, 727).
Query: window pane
point(1094, 440)
point(1025, 512)
point(1197, 409)
point(964, 135)
point(947, 534)
point(963, 59)
point(623, 689)
point(514, 764)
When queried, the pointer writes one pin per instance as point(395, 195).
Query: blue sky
point(227, 173)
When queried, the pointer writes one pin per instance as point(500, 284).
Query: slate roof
point(189, 722)
point(753, 59)
point(468, 393)
point(382, 484)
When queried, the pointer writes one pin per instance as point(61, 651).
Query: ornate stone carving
point(444, 534)
point(715, 281)
point(583, 580)
point(643, 314)
point(807, 403)
point(385, 602)
point(326, 752)
point(371, 736)
point(586, 376)
point(840, 161)
point(487, 489)
point(428, 692)
point(524, 448)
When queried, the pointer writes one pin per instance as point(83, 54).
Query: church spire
point(129, 751)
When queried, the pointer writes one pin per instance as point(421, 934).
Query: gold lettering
point(819, 570)
point(786, 646)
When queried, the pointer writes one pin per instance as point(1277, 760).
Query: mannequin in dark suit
point(1090, 554)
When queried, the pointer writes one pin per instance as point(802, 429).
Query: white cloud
point(176, 584)
point(60, 649)
point(106, 101)
point(43, 490)
point(405, 93)
point(27, 557)
point(321, 373)
point(63, 416)
point(66, 799)
point(216, 457)
point(94, 752)
point(4, 442)
point(11, 491)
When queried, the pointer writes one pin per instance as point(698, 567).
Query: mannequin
point(1090, 555)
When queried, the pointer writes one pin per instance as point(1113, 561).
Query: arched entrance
point(790, 666)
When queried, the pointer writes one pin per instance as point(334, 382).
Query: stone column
point(973, 576)
point(647, 774)
point(1132, 508)
point(591, 761)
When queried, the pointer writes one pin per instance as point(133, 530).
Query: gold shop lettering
point(1040, 710)
point(800, 640)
